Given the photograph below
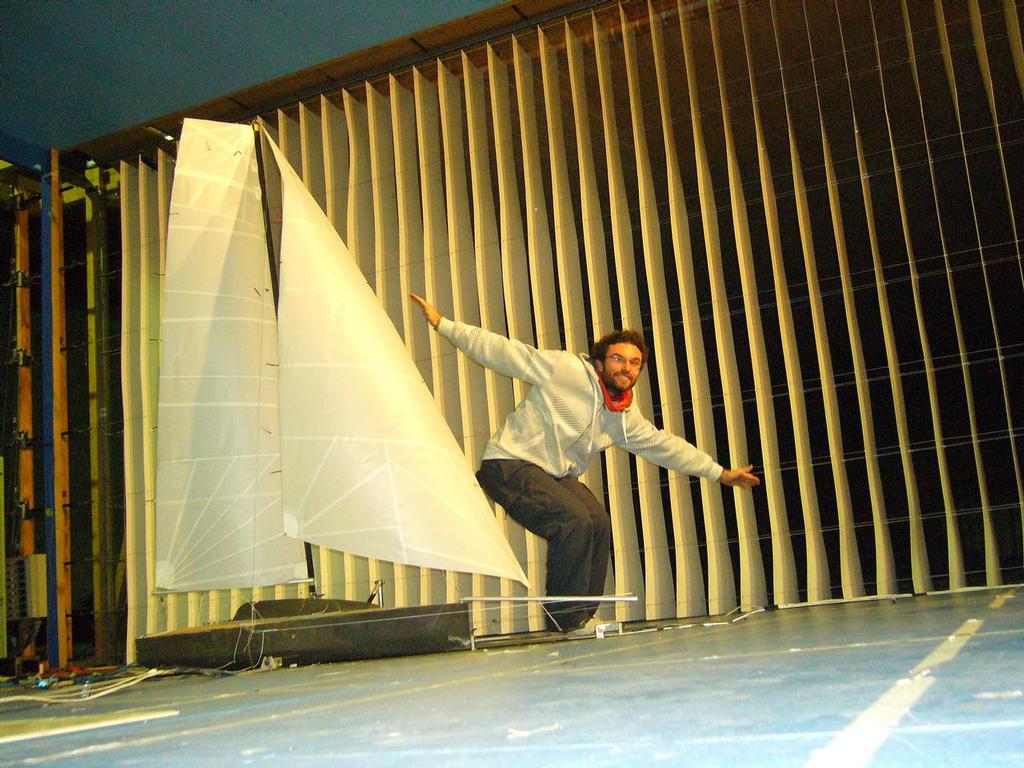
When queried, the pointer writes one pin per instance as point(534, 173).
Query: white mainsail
point(218, 503)
point(368, 464)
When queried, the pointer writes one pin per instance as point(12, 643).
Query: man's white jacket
point(562, 423)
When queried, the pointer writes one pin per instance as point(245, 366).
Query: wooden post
point(23, 350)
point(26, 486)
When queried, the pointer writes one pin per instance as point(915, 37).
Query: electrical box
point(26, 587)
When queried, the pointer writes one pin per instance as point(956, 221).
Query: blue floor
point(931, 681)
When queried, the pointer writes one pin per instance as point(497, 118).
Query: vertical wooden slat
point(539, 256)
point(385, 211)
point(920, 572)
point(514, 259)
point(784, 585)
point(149, 362)
point(920, 569)
point(690, 599)
point(884, 567)
point(993, 573)
point(219, 607)
point(818, 580)
point(334, 133)
point(1013, 37)
point(1013, 34)
point(237, 598)
point(658, 591)
point(627, 573)
point(849, 558)
point(465, 299)
point(954, 552)
point(359, 225)
point(289, 139)
point(446, 286)
point(410, 269)
point(437, 272)
point(482, 393)
point(136, 553)
point(423, 249)
point(356, 579)
point(194, 605)
point(981, 51)
point(330, 572)
point(751, 569)
point(594, 250)
point(538, 241)
point(515, 269)
point(311, 151)
point(95, 307)
point(179, 605)
point(487, 247)
point(567, 255)
point(660, 588)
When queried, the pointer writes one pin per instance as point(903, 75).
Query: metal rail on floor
point(629, 597)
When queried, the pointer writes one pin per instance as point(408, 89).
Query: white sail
point(218, 506)
point(369, 465)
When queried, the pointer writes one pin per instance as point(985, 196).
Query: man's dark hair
point(625, 336)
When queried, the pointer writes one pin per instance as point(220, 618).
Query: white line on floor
point(855, 745)
point(20, 730)
point(1001, 600)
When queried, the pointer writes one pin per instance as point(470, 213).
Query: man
point(577, 407)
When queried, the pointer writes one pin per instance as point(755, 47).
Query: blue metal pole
point(53, 617)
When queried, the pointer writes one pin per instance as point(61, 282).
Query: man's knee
point(573, 522)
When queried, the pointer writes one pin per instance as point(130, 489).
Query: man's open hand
point(429, 311)
point(741, 477)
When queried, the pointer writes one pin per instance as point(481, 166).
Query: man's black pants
point(563, 511)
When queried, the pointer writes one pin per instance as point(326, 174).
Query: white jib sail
point(368, 464)
point(218, 505)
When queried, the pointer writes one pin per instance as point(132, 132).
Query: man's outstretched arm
point(673, 452)
point(491, 350)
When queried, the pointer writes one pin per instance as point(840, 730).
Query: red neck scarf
point(612, 403)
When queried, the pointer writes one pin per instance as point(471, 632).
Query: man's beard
point(613, 385)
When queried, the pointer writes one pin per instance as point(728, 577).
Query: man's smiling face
point(621, 367)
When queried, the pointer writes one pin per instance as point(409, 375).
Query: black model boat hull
point(344, 634)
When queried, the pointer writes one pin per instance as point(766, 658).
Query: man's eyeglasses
point(635, 362)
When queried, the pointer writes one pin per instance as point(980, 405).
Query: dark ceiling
point(74, 71)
